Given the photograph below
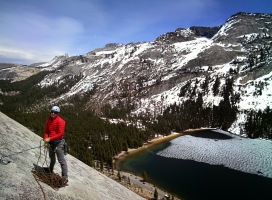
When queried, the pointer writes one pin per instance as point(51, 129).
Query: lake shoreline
point(206, 175)
point(124, 154)
point(147, 189)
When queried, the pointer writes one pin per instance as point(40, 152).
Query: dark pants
point(58, 149)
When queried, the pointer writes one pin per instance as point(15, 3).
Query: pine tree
point(144, 174)
point(119, 176)
point(216, 86)
point(156, 195)
point(101, 165)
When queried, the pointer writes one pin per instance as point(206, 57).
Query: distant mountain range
point(177, 66)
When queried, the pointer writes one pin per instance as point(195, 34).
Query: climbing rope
point(5, 162)
point(50, 178)
point(40, 174)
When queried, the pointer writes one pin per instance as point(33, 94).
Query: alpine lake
point(191, 180)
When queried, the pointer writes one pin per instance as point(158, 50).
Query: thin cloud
point(39, 30)
point(31, 34)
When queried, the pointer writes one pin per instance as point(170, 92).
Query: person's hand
point(46, 140)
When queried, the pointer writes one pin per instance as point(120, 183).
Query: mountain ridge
point(149, 76)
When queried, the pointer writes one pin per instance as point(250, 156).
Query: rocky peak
point(242, 24)
point(207, 32)
point(248, 15)
point(180, 35)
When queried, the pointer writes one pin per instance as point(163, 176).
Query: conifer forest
point(90, 135)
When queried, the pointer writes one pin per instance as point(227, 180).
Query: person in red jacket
point(54, 135)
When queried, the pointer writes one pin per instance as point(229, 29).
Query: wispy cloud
point(36, 37)
point(34, 31)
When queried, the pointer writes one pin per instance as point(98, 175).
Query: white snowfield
point(18, 182)
point(243, 154)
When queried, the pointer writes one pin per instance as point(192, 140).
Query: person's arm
point(46, 137)
point(46, 130)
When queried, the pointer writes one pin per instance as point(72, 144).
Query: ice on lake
point(238, 153)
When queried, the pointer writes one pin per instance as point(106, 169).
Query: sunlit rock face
point(20, 152)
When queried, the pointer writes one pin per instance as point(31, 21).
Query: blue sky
point(37, 30)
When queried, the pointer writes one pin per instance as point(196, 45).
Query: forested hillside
point(91, 136)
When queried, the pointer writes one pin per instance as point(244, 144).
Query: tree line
point(259, 124)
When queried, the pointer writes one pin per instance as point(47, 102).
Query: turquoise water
point(194, 180)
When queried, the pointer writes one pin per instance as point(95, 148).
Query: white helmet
point(55, 109)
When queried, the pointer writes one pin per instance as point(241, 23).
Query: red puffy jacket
point(54, 128)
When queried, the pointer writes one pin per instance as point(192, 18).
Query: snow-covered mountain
point(150, 75)
point(19, 154)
